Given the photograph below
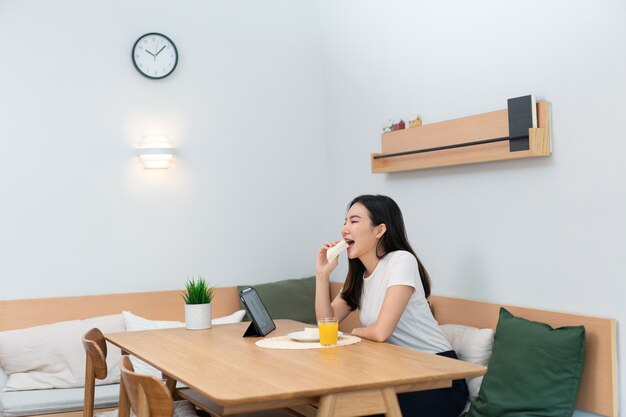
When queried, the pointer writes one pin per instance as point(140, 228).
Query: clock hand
point(149, 52)
point(160, 50)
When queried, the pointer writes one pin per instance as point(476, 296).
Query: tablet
point(262, 323)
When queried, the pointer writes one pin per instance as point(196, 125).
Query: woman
point(390, 286)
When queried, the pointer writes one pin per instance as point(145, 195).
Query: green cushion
point(288, 299)
point(534, 370)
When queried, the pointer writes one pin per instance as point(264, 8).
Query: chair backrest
point(95, 367)
point(147, 394)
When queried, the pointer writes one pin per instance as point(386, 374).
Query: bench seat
point(29, 403)
point(598, 392)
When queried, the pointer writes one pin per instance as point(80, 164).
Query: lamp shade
point(155, 151)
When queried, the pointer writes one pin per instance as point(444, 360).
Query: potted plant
point(198, 296)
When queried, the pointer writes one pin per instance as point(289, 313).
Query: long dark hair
point(382, 209)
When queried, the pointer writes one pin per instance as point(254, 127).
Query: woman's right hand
point(323, 268)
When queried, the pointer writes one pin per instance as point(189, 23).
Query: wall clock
point(155, 55)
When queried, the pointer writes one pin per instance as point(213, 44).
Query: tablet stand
point(251, 331)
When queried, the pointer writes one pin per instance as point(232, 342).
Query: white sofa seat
point(44, 401)
point(28, 403)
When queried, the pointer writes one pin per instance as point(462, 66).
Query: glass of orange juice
point(329, 330)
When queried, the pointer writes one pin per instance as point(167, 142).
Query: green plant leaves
point(197, 291)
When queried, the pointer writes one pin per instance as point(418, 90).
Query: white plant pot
point(198, 316)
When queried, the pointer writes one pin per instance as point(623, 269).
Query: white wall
point(547, 233)
point(79, 214)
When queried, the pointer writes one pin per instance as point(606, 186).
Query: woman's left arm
point(396, 299)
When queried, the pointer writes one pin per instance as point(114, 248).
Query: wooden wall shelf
point(468, 140)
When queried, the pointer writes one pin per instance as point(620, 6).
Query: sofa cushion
point(52, 356)
point(236, 317)
point(288, 299)
point(29, 403)
point(534, 370)
point(133, 322)
point(471, 345)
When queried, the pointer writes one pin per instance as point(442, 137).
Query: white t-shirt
point(417, 327)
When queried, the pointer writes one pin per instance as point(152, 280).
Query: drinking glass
point(329, 331)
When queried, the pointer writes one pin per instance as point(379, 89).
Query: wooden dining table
point(229, 374)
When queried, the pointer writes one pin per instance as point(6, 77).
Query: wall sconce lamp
point(155, 152)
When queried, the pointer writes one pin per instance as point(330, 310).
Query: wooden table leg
point(170, 383)
point(327, 405)
point(391, 403)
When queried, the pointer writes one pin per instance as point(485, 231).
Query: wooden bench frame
point(598, 388)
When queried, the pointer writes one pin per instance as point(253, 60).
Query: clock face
point(155, 55)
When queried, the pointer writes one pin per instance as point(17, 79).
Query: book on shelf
point(522, 116)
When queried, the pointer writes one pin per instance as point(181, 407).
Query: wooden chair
point(147, 395)
point(95, 367)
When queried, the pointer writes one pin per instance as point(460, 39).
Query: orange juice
point(329, 330)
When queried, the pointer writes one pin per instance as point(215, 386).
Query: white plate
point(301, 336)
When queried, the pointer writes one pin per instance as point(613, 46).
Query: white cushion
point(236, 317)
point(471, 345)
point(52, 356)
point(134, 322)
